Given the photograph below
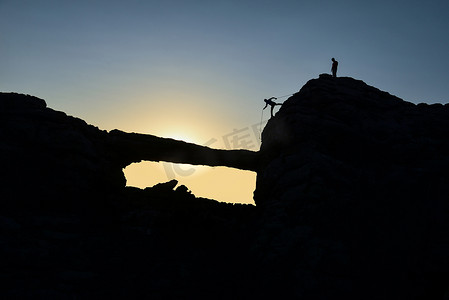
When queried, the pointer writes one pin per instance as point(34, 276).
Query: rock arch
point(128, 148)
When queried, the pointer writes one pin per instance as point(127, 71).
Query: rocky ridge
point(351, 202)
point(357, 180)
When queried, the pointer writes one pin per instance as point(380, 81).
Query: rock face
point(70, 228)
point(352, 203)
point(48, 158)
point(47, 153)
point(356, 180)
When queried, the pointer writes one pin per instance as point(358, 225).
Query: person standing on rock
point(334, 67)
point(271, 103)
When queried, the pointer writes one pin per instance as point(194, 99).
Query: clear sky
point(198, 70)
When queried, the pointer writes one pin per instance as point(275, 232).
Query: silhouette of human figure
point(271, 103)
point(334, 67)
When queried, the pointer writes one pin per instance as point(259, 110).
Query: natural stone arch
point(127, 148)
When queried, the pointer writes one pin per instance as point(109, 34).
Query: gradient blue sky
point(197, 70)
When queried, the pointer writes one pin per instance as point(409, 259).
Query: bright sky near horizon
point(198, 70)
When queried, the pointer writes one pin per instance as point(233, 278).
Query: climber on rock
point(271, 103)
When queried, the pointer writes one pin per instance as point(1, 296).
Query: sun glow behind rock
point(218, 183)
point(192, 118)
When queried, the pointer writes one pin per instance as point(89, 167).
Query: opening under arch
point(219, 183)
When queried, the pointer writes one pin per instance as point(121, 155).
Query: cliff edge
point(356, 180)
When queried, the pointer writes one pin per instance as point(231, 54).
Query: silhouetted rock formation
point(133, 147)
point(46, 153)
point(356, 181)
point(352, 203)
point(50, 158)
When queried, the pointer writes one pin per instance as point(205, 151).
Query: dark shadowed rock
point(366, 173)
point(352, 203)
point(46, 154)
point(127, 148)
point(182, 189)
point(166, 186)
